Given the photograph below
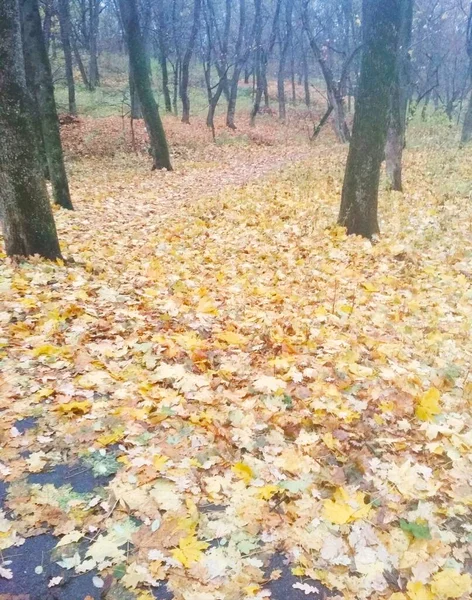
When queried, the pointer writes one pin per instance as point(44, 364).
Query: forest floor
point(218, 396)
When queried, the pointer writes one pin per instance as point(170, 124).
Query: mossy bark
point(43, 90)
point(139, 67)
point(28, 223)
point(359, 203)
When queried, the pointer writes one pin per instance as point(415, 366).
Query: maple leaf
point(449, 583)
point(189, 551)
point(428, 405)
point(232, 338)
point(418, 591)
point(344, 508)
point(75, 408)
point(243, 471)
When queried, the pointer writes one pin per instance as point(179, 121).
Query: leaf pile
point(244, 380)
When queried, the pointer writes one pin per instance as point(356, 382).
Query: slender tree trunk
point(135, 108)
point(80, 64)
point(399, 101)
point(242, 54)
point(139, 61)
point(381, 23)
point(306, 80)
point(64, 21)
point(258, 73)
point(94, 11)
point(186, 62)
point(175, 97)
point(44, 93)
point(283, 60)
point(161, 36)
point(466, 136)
point(28, 224)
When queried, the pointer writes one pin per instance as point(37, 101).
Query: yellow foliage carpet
point(244, 380)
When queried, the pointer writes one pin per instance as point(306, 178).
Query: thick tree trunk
point(399, 101)
point(186, 63)
point(43, 90)
point(64, 21)
point(47, 23)
point(139, 62)
point(28, 224)
point(381, 23)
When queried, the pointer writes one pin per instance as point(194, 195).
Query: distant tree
point(467, 126)
point(285, 44)
point(28, 223)
point(65, 25)
point(185, 73)
point(139, 62)
point(381, 24)
point(163, 50)
point(399, 100)
point(43, 90)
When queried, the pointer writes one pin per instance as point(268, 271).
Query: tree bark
point(283, 59)
point(28, 224)
point(43, 90)
point(139, 62)
point(186, 63)
point(64, 21)
point(399, 101)
point(466, 136)
point(161, 36)
point(94, 13)
point(241, 57)
point(135, 108)
point(358, 211)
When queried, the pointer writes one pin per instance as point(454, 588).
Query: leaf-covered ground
point(218, 396)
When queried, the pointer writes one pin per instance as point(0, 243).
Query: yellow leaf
point(76, 408)
point(298, 571)
point(46, 350)
point(159, 461)
point(449, 583)
point(43, 393)
point(232, 338)
point(418, 591)
point(329, 440)
point(398, 596)
point(344, 508)
point(207, 306)
point(369, 287)
point(111, 438)
point(243, 471)
point(428, 405)
point(267, 491)
point(252, 590)
point(189, 551)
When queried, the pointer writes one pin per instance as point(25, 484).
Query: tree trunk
point(94, 11)
point(466, 136)
point(47, 23)
point(241, 57)
point(399, 101)
point(161, 36)
point(186, 62)
point(64, 21)
point(80, 64)
point(139, 62)
point(283, 60)
point(135, 108)
point(28, 224)
point(381, 23)
point(44, 93)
